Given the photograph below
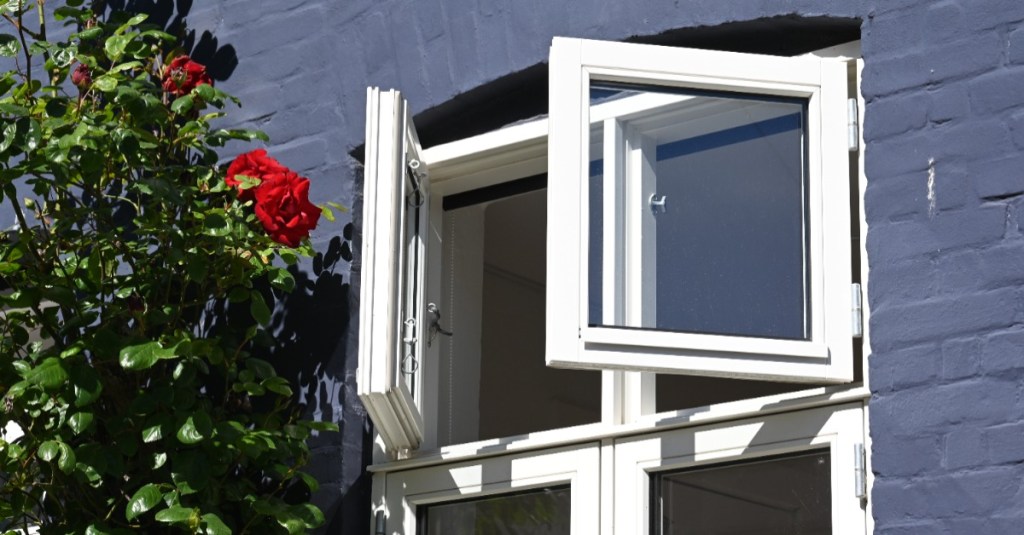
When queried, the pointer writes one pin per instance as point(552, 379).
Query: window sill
point(763, 406)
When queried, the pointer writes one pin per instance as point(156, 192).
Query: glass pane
point(494, 381)
point(541, 512)
point(412, 255)
point(711, 216)
point(785, 496)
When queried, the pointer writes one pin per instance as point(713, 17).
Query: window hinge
point(856, 311)
point(378, 520)
point(852, 125)
point(860, 476)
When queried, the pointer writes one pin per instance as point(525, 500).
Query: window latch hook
point(658, 203)
point(435, 323)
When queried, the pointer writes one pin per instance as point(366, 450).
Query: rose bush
point(137, 290)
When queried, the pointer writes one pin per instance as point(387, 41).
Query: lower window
point(544, 511)
point(551, 492)
point(785, 495)
point(791, 473)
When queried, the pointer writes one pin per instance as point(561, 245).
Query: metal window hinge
point(378, 520)
point(856, 311)
point(852, 125)
point(860, 476)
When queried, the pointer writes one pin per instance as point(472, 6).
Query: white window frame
point(571, 343)
point(392, 149)
point(839, 429)
point(578, 467)
point(430, 474)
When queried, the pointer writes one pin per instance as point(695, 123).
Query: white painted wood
point(579, 467)
point(380, 385)
point(836, 428)
point(722, 412)
point(827, 355)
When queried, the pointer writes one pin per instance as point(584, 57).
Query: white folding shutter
point(386, 342)
point(571, 342)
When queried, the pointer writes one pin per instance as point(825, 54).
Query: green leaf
point(214, 525)
point(6, 268)
point(67, 458)
point(310, 514)
point(90, 33)
point(49, 375)
point(143, 500)
point(152, 433)
point(125, 66)
point(293, 525)
point(80, 421)
point(246, 182)
point(206, 92)
point(174, 513)
point(258, 308)
point(134, 21)
point(159, 459)
point(189, 433)
point(48, 450)
point(182, 104)
point(10, 132)
point(115, 45)
point(328, 213)
point(277, 385)
point(217, 225)
point(263, 369)
point(86, 382)
point(9, 45)
point(143, 356)
point(105, 83)
point(282, 280)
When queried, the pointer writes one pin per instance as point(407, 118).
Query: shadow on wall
point(172, 15)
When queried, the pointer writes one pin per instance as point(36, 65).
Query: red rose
point(255, 164)
point(81, 76)
point(282, 205)
point(183, 75)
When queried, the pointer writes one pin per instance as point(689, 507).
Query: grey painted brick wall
point(944, 86)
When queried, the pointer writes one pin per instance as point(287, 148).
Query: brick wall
point(944, 85)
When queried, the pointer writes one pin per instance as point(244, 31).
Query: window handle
point(658, 203)
point(435, 323)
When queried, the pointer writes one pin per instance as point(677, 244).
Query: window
point(787, 474)
point(706, 248)
point(524, 493)
point(594, 320)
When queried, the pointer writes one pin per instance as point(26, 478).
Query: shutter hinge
point(860, 476)
point(856, 311)
point(378, 520)
point(852, 125)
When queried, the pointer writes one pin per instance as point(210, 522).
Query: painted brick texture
point(943, 87)
point(944, 128)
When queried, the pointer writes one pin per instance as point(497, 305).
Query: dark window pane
point(788, 495)
point(541, 512)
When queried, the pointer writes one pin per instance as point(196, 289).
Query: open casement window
point(698, 207)
point(391, 297)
